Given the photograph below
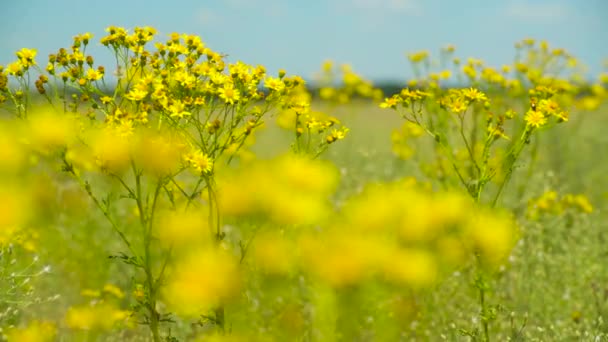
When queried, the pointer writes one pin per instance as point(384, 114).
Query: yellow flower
point(458, 106)
point(26, 56)
point(470, 71)
point(101, 316)
point(275, 84)
point(202, 280)
point(106, 99)
point(229, 94)
point(94, 75)
point(445, 74)
point(474, 95)
point(337, 135)
point(35, 332)
point(390, 102)
point(184, 228)
point(418, 57)
point(200, 161)
point(15, 68)
point(178, 109)
point(535, 118)
point(113, 290)
point(136, 94)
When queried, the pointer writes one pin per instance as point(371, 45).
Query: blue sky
point(372, 35)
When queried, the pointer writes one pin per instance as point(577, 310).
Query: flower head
point(535, 118)
point(26, 56)
point(229, 94)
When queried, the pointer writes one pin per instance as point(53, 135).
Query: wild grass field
point(192, 198)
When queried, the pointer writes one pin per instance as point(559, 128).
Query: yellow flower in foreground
point(201, 281)
point(535, 118)
point(274, 254)
point(182, 228)
point(416, 268)
point(34, 332)
point(15, 206)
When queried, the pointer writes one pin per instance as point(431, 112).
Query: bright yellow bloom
point(106, 99)
point(337, 135)
point(26, 56)
point(473, 94)
point(275, 84)
point(390, 102)
point(200, 161)
point(94, 75)
point(229, 94)
point(178, 109)
point(535, 118)
point(15, 68)
point(136, 94)
point(548, 106)
point(458, 106)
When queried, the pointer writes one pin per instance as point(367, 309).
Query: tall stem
point(153, 314)
point(219, 311)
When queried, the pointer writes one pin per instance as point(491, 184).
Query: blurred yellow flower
point(36, 331)
point(202, 280)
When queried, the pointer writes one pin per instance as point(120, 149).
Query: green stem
point(512, 157)
point(483, 318)
point(219, 311)
point(154, 317)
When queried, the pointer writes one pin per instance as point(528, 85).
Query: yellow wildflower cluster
point(550, 203)
point(459, 100)
point(542, 83)
point(541, 110)
point(176, 105)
